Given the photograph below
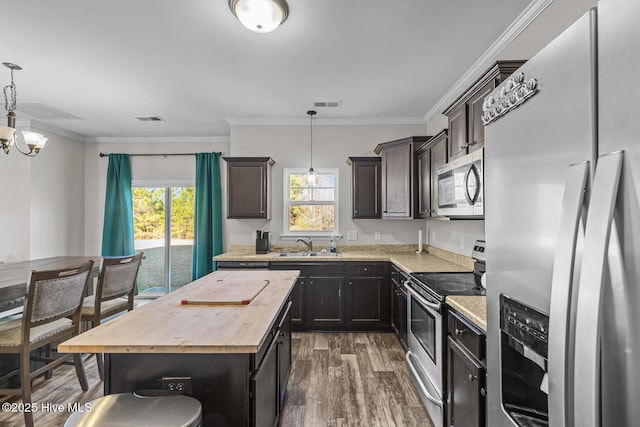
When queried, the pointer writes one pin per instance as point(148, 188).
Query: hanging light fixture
point(8, 134)
point(311, 174)
point(261, 16)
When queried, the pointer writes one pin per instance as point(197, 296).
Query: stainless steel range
point(426, 319)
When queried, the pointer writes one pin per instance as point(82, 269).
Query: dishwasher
point(242, 265)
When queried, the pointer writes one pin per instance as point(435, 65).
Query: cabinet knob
point(459, 332)
point(472, 378)
point(483, 392)
point(462, 147)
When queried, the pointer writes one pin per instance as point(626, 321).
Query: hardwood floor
point(337, 379)
point(350, 379)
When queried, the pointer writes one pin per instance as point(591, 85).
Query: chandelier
point(8, 135)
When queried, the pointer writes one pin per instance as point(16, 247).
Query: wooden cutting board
point(227, 292)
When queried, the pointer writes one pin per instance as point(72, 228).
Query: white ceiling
point(193, 64)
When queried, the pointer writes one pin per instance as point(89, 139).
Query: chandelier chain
point(10, 106)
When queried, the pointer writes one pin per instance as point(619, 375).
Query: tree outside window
point(310, 209)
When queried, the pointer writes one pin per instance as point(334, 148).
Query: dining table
point(15, 275)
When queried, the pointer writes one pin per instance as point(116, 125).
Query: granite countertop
point(473, 308)
point(403, 256)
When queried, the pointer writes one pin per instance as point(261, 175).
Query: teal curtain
point(117, 231)
point(207, 239)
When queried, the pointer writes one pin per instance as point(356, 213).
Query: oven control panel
point(526, 324)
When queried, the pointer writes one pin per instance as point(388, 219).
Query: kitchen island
point(229, 346)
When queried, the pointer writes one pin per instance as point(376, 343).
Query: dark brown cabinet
point(398, 174)
point(365, 187)
point(429, 157)
point(367, 296)
point(466, 133)
point(339, 296)
point(249, 187)
point(466, 373)
point(399, 306)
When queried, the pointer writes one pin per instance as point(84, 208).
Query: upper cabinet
point(398, 175)
point(365, 187)
point(249, 187)
point(466, 133)
point(429, 157)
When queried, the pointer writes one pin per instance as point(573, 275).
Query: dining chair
point(114, 293)
point(51, 314)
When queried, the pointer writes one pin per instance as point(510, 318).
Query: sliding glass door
point(163, 230)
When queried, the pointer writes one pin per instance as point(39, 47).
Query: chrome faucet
point(308, 243)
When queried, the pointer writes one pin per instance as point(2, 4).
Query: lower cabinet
point(399, 306)
point(466, 373)
point(339, 296)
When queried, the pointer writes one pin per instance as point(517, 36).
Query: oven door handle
point(420, 299)
point(419, 380)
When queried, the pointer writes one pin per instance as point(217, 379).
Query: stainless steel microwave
point(461, 187)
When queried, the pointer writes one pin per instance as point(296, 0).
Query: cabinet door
point(297, 299)
point(402, 316)
point(324, 302)
point(284, 356)
point(466, 389)
point(397, 174)
point(394, 303)
point(248, 183)
point(366, 192)
point(476, 130)
point(424, 183)
point(438, 158)
point(264, 385)
point(364, 301)
point(458, 132)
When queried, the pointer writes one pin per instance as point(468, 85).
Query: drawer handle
point(472, 378)
point(483, 392)
point(459, 331)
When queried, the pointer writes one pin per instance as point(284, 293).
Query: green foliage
point(149, 213)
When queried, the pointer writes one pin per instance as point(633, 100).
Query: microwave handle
point(471, 200)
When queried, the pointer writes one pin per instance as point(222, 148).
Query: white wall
point(43, 201)
point(332, 145)
point(557, 17)
point(158, 170)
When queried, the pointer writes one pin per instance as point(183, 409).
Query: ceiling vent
point(42, 111)
point(327, 104)
point(150, 119)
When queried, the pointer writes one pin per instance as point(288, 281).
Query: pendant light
point(311, 174)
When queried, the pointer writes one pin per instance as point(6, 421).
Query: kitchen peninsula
point(233, 356)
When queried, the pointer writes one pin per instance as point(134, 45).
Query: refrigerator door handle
point(586, 376)
point(561, 283)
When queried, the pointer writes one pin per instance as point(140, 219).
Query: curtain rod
point(163, 155)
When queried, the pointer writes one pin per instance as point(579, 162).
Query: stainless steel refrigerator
point(562, 218)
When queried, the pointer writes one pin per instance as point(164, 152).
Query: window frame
point(286, 202)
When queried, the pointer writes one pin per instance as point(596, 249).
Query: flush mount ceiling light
point(261, 16)
point(311, 174)
point(8, 135)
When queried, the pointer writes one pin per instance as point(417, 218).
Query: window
point(310, 210)
point(163, 230)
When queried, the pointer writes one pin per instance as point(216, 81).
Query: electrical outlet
point(180, 385)
point(352, 235)
point(462, 243)
point(376, 235)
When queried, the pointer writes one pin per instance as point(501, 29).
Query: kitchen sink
point(311, 254)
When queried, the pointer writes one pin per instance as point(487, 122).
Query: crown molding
point(168, 139)
point(35, 124)
point(289, 121)
point(526, 17)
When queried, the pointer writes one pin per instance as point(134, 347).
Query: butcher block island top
point(223, 312)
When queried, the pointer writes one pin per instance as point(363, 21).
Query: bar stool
point(134, 409)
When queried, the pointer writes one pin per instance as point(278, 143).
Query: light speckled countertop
point(473, 308)
point(400, 255)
